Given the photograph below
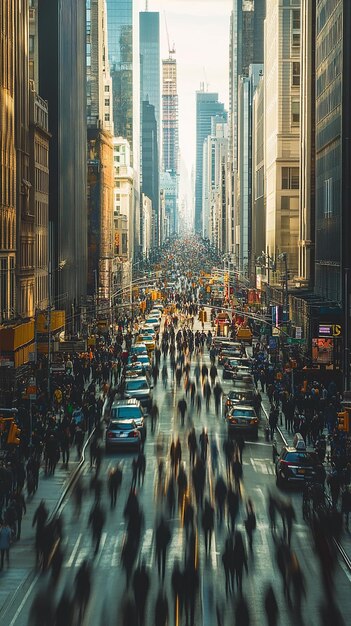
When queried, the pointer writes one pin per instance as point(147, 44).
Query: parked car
point(295, 464)
point(123, 433)
point(140, 389)
point(153, 321)
point(232, 366)
point(137, 349)
point(241, 394)
point(142, 359)
point(242, 418)
point(129, 409)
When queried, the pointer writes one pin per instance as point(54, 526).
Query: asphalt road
point(109, 585)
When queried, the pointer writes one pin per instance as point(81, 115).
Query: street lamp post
point(284, 257)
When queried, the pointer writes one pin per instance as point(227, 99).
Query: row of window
point(329, 40)
point(7, 232)
point(41, 181)
point(41, 154)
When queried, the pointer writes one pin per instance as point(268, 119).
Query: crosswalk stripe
point(74, 551)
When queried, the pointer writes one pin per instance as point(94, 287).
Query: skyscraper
point(99, 82)
point(170, 129)
point(170, 137)
point(247, 47)
point(100, 158)
point(282, 130)
point(62, 77)
point(120, 41)
point(207, 106)
point(123, 44)
point(150, 70)
point(7, 162)
point(333, 196)
point(150, 171)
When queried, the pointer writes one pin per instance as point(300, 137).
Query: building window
point(107, 102)
point(295, 112)
point(107, 88)
point(31, 44)
point(295, 42)
point(296, 73)
point(296, 23)
point(107, 117)
point(328, 198)
point(290, 178)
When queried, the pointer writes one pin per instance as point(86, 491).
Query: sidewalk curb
point(34, 575)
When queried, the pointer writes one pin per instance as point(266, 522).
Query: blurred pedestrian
point(271, 607)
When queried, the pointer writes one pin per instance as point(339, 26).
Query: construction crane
point(171, 51)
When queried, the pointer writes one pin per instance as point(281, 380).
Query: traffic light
point(343, 421)
point(14, 434)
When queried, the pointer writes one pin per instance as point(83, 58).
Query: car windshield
point(134, 385)
point(129, 412)
point(241, 395)
point(243, 413)
point(302, 458)
point(121, 426)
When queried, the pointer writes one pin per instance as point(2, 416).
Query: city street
point(109, 584)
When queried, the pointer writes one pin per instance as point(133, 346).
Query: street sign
point(292, 341)
point(298, 332)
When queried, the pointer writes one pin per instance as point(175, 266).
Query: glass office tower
point(207, 106)
point(120, 41)
point(149, 36)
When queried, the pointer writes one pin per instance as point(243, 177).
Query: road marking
point(100, 560)
point(116, 551)
point(74, 551)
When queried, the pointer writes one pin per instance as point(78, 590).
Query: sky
point(200, 31)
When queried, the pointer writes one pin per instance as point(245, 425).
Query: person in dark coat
point(271, 607)
point(141, 586)
point(162, 539)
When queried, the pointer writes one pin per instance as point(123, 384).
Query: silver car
point(140, 389)
point(122, 433)
point(127, 410)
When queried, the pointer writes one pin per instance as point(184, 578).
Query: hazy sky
point(200, 31)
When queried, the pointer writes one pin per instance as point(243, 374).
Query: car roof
point(125, 402)
point(243, 407)
point(128, 422)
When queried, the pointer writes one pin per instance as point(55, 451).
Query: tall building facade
point(282, 129)
point(170, 141)
point(170, 128)
point(150, 64)
point(333, 55)
point(123, 51)
point(243, 240)
point(307, 115)
point(207, 107)
point(100, 159)
point(25, 218)
point(99, 81)
point(62, 78)
point(150, 166)
point(246, 48)
point(8, 43)
point(214, 198)
point(39, 166)
point(258, 186)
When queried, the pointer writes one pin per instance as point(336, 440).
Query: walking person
point(250, 522)
point(208, 525)
point(114, 483)
point(96, 521)
point(162, 539)
point(182, 407)
point(5, 542)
